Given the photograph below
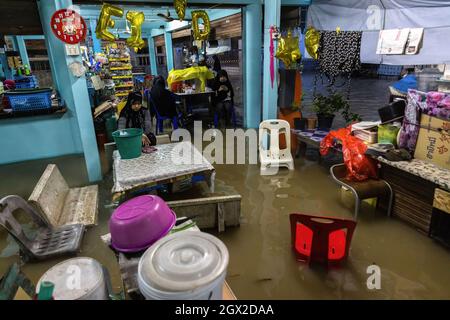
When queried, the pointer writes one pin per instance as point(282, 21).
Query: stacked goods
point(120, 68)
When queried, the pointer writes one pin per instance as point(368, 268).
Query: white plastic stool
point(273, 158)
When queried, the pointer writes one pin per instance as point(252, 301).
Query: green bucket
point(129, 142)
point(111, 126)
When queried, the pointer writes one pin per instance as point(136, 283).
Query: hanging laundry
point(339, 52)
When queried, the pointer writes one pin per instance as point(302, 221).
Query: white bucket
point(189, 265)
point(77, 279)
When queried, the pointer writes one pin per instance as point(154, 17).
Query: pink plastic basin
point(136, 224)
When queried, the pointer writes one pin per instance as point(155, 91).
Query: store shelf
point(119, 59)
point(122, 94)
point(120, 68)
point(122, 77)
point(125, 86)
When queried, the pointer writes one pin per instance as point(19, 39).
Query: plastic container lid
point(184, 261)
point(74, 279)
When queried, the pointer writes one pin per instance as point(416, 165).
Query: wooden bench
point(60, 205)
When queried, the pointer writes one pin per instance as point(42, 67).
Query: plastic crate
point(26, 82)
point(388, 70)
point(28, 100)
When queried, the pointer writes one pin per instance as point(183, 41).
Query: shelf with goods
point(119, 67)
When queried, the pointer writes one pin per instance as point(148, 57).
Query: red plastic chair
point(321, 239)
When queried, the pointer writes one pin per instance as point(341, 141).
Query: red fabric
point(359, 166)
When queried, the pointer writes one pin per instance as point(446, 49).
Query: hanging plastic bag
point(359, 166)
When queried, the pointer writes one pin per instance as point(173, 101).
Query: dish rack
point(30, 100)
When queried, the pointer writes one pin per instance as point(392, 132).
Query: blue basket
point(26, 82)
point(29, 100)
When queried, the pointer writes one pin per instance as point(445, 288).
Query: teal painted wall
point(37, 138)
point(52, 136)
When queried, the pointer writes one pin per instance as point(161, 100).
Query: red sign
point(68, 26)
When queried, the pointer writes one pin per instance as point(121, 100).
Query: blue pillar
point(73, 90)
point(20, 42)
point(252, 42)
point(152, 54)
point(96, 43)
point(272, 11)
point(169, 50)
point(7, 73)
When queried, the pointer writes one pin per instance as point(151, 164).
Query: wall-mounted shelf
point(54, 111)
point(122, 77)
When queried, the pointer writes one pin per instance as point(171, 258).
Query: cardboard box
point(433, 144)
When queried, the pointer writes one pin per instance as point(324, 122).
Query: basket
point(27, 100)
point(26, 82)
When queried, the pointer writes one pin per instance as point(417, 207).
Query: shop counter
point(56, 111)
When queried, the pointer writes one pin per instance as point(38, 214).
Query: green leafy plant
point(328, 106)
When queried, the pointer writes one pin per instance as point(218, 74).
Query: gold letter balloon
point(312, 39)
point(136, 20)
point(198, 34)
point(105, 21)
point(288, 50)
point(180, 8)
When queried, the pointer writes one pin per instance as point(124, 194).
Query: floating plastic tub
point(138, 223)
point(129, 142)
point(188, 265)
point(77, 279)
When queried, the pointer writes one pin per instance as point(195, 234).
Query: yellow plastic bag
point(201, 73)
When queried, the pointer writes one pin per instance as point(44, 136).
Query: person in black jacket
point(223, 99)
point(133, 115)
point(163, 98)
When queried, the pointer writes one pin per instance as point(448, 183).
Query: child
point(224, 95)
point(133, 115)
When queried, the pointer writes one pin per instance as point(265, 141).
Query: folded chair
point(368, 189)
point(48, 241)
point(321, 239)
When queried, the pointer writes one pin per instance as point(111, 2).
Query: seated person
point(133, 115)
point(224, 95)
point(163, 98)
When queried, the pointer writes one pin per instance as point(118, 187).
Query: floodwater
point(262, 264)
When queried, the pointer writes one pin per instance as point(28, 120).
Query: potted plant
point(326, 108)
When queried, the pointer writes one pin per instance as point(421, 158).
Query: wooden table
point(311, 138)
point(153, 170)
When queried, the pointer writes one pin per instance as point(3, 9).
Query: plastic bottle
point(27, 70)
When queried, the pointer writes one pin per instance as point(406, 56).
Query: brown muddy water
point(262, 265)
